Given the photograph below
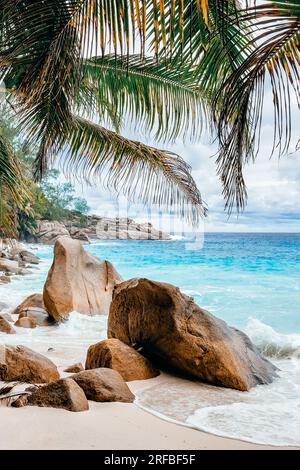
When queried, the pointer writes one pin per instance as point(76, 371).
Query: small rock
point(50, 349)
point(34, 300)
point(103, 385)
point(26, 322)
point(29, 257)
point(39, 315)
point(63, 393)
point(10, 266)
point(5, 280)
point(78, 367)
point(5, 326)
point(124, 359)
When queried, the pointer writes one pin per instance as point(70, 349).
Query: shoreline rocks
point(181, 336)
point(19, 363)
point(94, 227)
point(103, 385)
point(114, 354)
point(78, 281)
point(63, 393)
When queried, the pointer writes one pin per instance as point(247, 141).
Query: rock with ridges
point(63, 393)
point(18, 363)
point(118, 356)
point(182, 336)
point(78, 281)
point(103, 385)
point(5, 326)
point(48, 232)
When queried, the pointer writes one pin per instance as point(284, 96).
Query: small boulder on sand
point(124, 359)
point(18, 363)
point(63, 393)
point(103, 385)
point(5, 326)
point(74, 368)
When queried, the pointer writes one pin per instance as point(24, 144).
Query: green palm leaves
point(13, 193)
point(171, 66)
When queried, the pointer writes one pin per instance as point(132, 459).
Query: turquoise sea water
point(252, 281)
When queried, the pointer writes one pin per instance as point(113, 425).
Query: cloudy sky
point(273, 187)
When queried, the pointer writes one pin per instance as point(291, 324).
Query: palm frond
point(144, 174)
point(274, 61)
point(154, 96)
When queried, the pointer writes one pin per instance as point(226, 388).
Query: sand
point(105, 426)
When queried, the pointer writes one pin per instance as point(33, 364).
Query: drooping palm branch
point(13, 192)
point(274, 62)
point(43, 50)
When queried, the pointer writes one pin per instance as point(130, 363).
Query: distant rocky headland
point(95, 227)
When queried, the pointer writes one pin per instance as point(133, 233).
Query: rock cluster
point(94, 227)
point(151, 326)
point(14, 260)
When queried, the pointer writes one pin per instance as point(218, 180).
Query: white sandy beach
point(105, 426)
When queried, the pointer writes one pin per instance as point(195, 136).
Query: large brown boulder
point(78, 281)
point(18, 363)
point(5, 326)
point(184, 337)
point(32, 301)
point(124, 359)
point(63, 393)
point(103, 385)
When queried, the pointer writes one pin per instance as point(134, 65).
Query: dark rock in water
point(78, 281)
point(29, 257)
point(103, 385)
point(18, 363)
point(5, 326)
point(184, 337)
point(63, 393)
point(74, 368)
point(124, 359)
point(32, 301)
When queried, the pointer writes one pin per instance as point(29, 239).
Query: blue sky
point(273, 186)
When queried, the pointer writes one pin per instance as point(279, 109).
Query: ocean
point(252, 281)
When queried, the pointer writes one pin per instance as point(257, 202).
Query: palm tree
point(72, 69)
point(13, 192)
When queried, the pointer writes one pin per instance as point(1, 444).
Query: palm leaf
point(275, 60)
point(142, 173)
point(155, 96)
